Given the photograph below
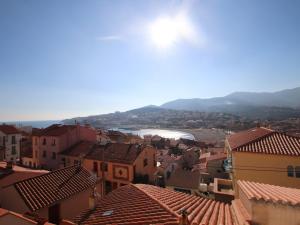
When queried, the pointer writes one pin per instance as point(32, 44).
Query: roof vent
point(107, 213)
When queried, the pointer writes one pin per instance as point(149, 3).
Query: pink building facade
point(49, 142)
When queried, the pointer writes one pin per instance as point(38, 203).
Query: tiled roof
point(54, 130)
point(147, 204)
point(184, 178)
point(270, 193)
point(44, 190)
point(244, 137)
point(116, 152)
point(128, 205)
point(9, 129)
point(80, 148)
point(273, 143)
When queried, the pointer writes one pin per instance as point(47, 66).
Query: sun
point(163, 32)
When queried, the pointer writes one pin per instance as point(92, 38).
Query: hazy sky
point(60, 59)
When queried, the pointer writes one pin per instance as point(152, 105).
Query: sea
point(160, 132)
point(35, 123)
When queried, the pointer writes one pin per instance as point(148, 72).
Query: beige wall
point(263, 168)
point(269, 213)
point(11, 200)
point(69, 208)
point(148, 153)
point(10, 219)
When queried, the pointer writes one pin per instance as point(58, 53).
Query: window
point(13, 150)
point(104, 167)
point(290, 171)
point(36, 154)
point(44, 141)
point(36, 141)
point(297, 171)
point(53, 142)
point(145, 162)
point(76, 162)
point(44, 154)
point(53, 155)
point(154, 160)
point(13, 140)
point(95, 167)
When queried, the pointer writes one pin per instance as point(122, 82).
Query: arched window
point(290, 171)
point(297, 171)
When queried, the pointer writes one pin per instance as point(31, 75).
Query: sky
point(66, 58)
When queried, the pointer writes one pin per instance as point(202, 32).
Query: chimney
point(183, 220)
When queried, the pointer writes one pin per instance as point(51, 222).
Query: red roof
point(244, 137)
point(80, 148)
point(270, 193)
point(147, 204)
point(115, 152)
point(273, 143)
point(44, 190)
point(54, 130)
point(9, 129)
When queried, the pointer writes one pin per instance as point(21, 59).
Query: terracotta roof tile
point(54, 130)
point(80, 148)
point(270, 193)
point(116, 152)
point(147, 204)
point(244, 137)
point(273, 143)
point(9, 129)
point(44, 190)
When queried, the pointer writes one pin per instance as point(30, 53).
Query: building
point(266, 156)
point(267, 204)
point(75, 154)
point(212, 164)
point(186, 181)
point(117, 163)
point(120, 164)
point(52, 195)
point(10, 174)
point(10, 138)
point(147, 204)
point(166, 165)
point(223, 190)
point(49, 142)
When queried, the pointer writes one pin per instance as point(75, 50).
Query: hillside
point(273, 106)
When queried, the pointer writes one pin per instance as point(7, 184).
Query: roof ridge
point(42, 175)
point(156, 200)
point(256, 139)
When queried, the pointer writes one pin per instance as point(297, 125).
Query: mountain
point(276, 105)
point(157, 117)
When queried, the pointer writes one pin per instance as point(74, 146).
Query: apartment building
point(266, 156)
point(10, 138)
point(49, 142)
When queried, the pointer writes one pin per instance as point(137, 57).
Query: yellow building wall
point(109, 174)
point(264, 168)
point(148, 153)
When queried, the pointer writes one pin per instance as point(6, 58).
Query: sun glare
point(167, 31)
